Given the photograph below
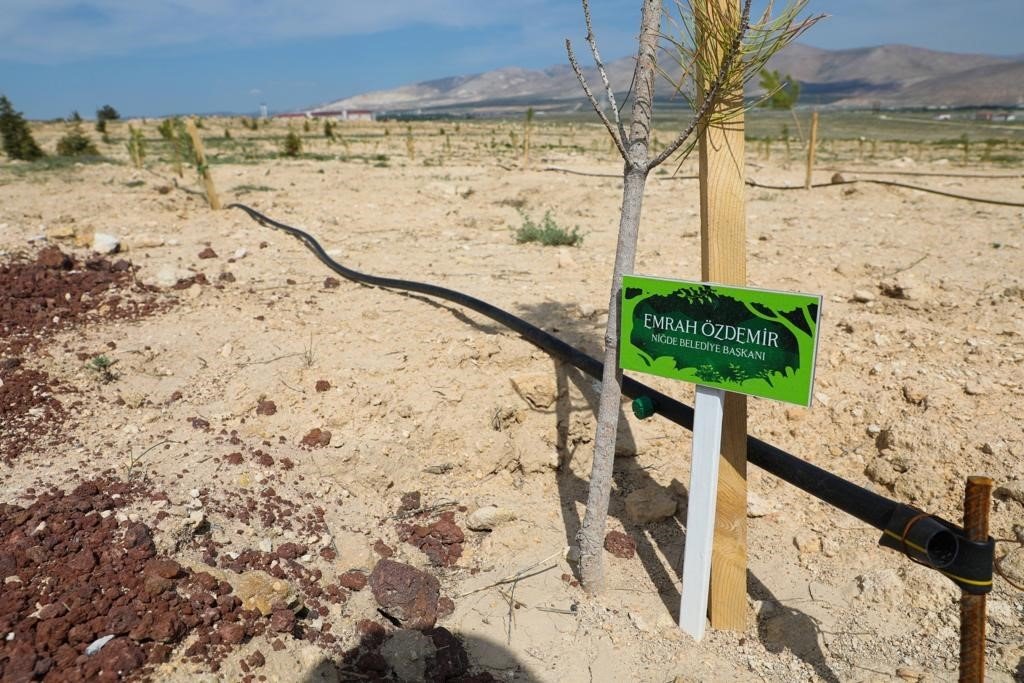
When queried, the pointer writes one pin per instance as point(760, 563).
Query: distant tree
point(17, 138)
point(107, 113)
point(104, 114)
point(75, 116)
point(781, 92)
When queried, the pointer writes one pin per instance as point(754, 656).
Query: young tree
point(17, 138)
point(780, 92)
point(718, 52)
point(527, 129)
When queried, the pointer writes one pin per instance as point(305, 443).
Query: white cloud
point(45, 31)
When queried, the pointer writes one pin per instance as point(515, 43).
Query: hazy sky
point(153, 57)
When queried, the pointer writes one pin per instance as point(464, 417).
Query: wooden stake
point(811, 144)
point(723, 214)
point(204, 169)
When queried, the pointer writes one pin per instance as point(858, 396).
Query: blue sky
point(155, 57)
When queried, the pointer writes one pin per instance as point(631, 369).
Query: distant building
point(337, 114)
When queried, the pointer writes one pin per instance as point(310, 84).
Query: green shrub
point(75, 143)
point(292, 146)
point(547, 232)
point(18, 142)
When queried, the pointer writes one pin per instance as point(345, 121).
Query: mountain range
point(890, 76)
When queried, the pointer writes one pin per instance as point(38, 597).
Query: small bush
point(292, 146)
point(75, 143)
point(547, 232)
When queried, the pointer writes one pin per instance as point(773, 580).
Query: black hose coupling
point(943, 546)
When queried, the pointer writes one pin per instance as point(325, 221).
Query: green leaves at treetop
point(18, 142)
point(781, 92)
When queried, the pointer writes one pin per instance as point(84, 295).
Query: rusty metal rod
point(977, 501)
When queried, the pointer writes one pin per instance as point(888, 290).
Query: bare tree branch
point(593, 101)
point(711, 96)
point(592, 42)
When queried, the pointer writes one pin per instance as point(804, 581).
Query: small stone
point(103, 243)
point(316, 438)
point(976, 388)
point(539, 390)
point(282, 621)
point(97, 645)
point(914, 394)
point(1011, 490)
point(758, 505)
point(322, 385)
point(908, 674)
point(239, 253)
point(331, 283)
point(208, 253)
point(650, 504)
point(407, 593)
point(265, 407)
point(863, 296)
point(620, 545)
point(806, 541)
point(291, 551)
point(231, 632)
point(163, 567)
point(410, 501)
point(489, 517)
point(266, 545)
point(353, 579)
point(260, 591)
point(54, 258)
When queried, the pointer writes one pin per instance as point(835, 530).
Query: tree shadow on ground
point(788, 628)
point(435, 656)
point(780, 627)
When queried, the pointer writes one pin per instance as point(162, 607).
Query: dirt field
point(241, 440)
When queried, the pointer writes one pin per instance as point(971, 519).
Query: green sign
point(749, 341)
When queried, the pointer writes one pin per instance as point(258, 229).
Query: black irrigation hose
point(924, 538)
point(753, 183)
point(890, 183)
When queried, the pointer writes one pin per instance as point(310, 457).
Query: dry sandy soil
point(216, 386)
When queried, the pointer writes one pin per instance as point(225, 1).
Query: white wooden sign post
point(709, 407)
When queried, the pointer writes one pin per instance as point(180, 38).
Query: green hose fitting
point(643, 407)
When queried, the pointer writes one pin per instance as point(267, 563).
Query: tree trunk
point(590, 537)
